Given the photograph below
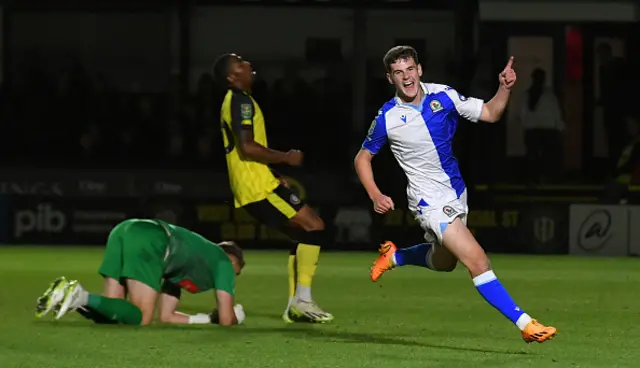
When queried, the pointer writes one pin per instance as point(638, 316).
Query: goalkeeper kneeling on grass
point(145, 259)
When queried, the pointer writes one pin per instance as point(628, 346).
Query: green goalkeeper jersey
point(195, 263)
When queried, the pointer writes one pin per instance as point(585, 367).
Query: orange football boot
point(536, 332)
point(385, 260)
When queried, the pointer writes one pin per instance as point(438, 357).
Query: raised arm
point(242, 115)
point(492, 111)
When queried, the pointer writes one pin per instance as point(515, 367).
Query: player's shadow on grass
point(301, 331)
point(363, 338)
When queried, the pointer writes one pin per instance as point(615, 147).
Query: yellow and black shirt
point(250, 181)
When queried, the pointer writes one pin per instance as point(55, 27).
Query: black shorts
point(277, 209)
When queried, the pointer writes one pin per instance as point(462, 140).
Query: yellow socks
point(306, 264)
point(292, 276)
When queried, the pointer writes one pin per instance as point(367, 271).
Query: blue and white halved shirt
point(420, 138)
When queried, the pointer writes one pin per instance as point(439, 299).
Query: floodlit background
point(108, 111)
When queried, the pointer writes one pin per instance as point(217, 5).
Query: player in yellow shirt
point(266, 197)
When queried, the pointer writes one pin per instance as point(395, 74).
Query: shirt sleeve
point(242, 112)
point(467, 107)
point(224, 277)
point(377, 135)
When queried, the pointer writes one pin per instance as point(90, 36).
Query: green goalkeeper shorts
point(135, 250)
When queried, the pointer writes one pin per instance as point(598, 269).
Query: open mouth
point(408, 84)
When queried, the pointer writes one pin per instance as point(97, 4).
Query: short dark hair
point(399, 53)
point(233, 249)
point(220, 68)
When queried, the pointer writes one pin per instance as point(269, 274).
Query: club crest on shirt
point(294, 199)
point(246, 110)
point(435, 106)
point(449, 211)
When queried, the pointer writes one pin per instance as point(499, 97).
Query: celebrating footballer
point(418, 123)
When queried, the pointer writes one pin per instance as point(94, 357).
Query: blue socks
point(487, 283)
point(417, 255)
point(495, 294)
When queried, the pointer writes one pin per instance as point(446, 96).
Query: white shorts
point(435, 219)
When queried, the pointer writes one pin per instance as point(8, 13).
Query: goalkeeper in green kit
point(149, 261)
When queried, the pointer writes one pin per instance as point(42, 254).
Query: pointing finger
point(510, 63)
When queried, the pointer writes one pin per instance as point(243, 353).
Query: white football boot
point(75, 297)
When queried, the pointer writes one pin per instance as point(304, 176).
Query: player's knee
point(145, 313)
point(312, 223)
point(147, 318)
point(308, 219)
point(478, 266)
point(113, 289)
point(165, 317)
point(316, 224)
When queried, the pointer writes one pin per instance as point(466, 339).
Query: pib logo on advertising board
point(42, 218)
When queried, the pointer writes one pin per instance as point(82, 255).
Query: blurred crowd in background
point(79, 116)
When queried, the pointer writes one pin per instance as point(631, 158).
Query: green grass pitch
point(411, 318)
